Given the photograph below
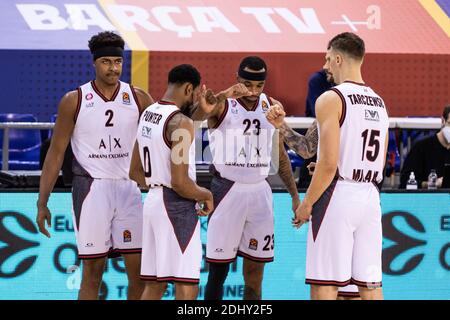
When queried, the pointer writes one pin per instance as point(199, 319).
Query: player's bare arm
point(136, 170)
point(207, 105)
point(180, 131)
point(144, 99)
point(328, 112)
point(285, 173)
point(65, 123)
point(211, 108)
point(304, 145)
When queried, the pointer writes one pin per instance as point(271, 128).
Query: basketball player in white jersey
point(164, 160)
point(100, 120)
point(306, 147)
point(343, 202)
point(242, 223)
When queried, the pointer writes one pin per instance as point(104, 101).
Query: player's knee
point(156, 285)
point(371, 293)
point(253, 270)
point(218, 272)
point(135, 283)
point(320, 292)
point(93, 270)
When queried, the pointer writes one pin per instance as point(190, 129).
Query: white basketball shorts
point(171, 245)
point(345, 237)
point(242, 222)
point(107, 215)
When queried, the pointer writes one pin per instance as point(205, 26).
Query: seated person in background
point(430, 153)
point(318, 83)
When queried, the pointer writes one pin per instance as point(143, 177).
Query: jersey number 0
point(147, 163)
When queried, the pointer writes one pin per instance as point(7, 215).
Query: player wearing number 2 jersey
point(343, 202)
point(164, 160)
point(100, 120)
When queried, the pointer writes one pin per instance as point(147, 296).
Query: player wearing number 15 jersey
point(164, 160)
point(342, 202)
point(100, 120)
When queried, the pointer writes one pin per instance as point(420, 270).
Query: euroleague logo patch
point(234, 110)
point(12, 265)
point(127, 236)
point(126, 98)
point(253, 244)
point(264, 106)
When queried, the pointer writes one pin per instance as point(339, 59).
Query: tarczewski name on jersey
point(361, 99)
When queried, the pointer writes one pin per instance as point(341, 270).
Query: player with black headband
point(100, 120)
point(241, 142)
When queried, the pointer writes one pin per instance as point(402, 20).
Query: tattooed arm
point(304, 145)
point(285, 173)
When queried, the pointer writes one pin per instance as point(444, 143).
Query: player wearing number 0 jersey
point(342, 202)
point(164, 160)
point(242, 223)
point(100, 120)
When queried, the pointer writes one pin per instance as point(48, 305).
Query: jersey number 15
point(373, 142)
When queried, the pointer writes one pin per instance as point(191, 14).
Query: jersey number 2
point(110, 114)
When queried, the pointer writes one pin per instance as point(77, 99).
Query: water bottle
point(432, 180)
point(412, 182)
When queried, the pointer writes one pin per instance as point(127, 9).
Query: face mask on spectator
point(446, 132)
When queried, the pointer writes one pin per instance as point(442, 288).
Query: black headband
point(252, 76)
point(108, 52)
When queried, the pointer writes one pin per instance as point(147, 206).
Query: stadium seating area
point(24, 144)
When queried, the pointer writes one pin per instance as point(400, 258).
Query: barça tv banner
point(401, 26)
point(416, 252)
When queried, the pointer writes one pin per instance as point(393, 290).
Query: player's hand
point(205, 206)
point(311, 166)
point(206, 99)
point(275, 115)
point(237, 91)
point(43, 216)
point(302, 214)
point(295, 205)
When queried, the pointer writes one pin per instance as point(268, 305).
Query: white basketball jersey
point(155, 149)
point(364, 126)
point(105, 131)
point(241, 142)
